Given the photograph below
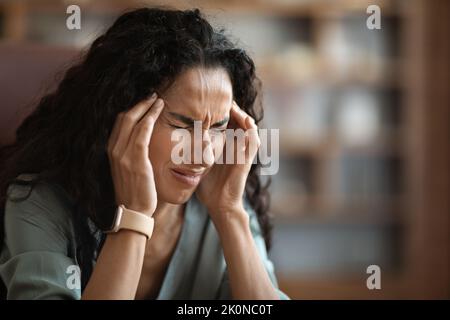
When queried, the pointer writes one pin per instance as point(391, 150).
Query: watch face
point(113, 226)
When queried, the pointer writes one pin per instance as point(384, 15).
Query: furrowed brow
point(186, 120)
point(190, 122)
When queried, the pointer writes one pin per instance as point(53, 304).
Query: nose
point(208, 150)
point(203, 150)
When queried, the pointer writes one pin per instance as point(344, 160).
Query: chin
point(174, 196)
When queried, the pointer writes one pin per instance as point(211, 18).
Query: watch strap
point(136, 221)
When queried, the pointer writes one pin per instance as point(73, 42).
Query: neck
point(168, 217)
point(167, 211)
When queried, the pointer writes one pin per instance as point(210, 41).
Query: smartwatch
point(132, 220)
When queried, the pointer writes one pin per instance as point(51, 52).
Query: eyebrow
point(190, 122)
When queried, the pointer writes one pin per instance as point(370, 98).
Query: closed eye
point(219, 129)
point(178, 127)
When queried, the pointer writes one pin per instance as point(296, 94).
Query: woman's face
point(198, 94)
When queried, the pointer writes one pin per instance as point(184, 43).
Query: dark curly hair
point(64, 140)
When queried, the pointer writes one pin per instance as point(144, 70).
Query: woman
point(103, 140)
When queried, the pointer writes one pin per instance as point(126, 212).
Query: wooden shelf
point(384, 145)
point(319, 209)
point(276, 80)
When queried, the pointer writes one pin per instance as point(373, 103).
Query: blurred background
point(363, 118)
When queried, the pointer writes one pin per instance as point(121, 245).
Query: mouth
point(191, 178)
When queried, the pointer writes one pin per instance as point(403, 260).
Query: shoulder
point(38, 246)
point(36, 214)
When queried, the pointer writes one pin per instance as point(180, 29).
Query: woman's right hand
point(128, 146)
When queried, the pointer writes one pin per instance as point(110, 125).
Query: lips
point(189, 177)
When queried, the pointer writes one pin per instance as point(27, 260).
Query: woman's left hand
point(222, 189)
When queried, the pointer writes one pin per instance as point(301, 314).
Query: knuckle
point(119, 119)
point(115, 154)
point(148, 125)
point(140, 145)
point(150, 120)
point(146, 173)
point(128, 117)
point(124, 164)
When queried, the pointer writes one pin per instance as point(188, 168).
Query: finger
point(250, 123)
point(112, 141)
point(253, 141)
point(129, 121)
point(240, 116)
point(247, 123)
point(237, 115)
point(143, 131)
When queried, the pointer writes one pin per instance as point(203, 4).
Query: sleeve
point(35, 262)
point(225, 288)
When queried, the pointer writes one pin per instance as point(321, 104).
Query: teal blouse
point(38, 256)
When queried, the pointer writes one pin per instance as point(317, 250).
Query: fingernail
point(159, 103)
point(152, 96)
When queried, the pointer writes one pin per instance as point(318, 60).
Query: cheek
point(160, 146)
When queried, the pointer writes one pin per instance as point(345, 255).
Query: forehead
point(199, 92)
